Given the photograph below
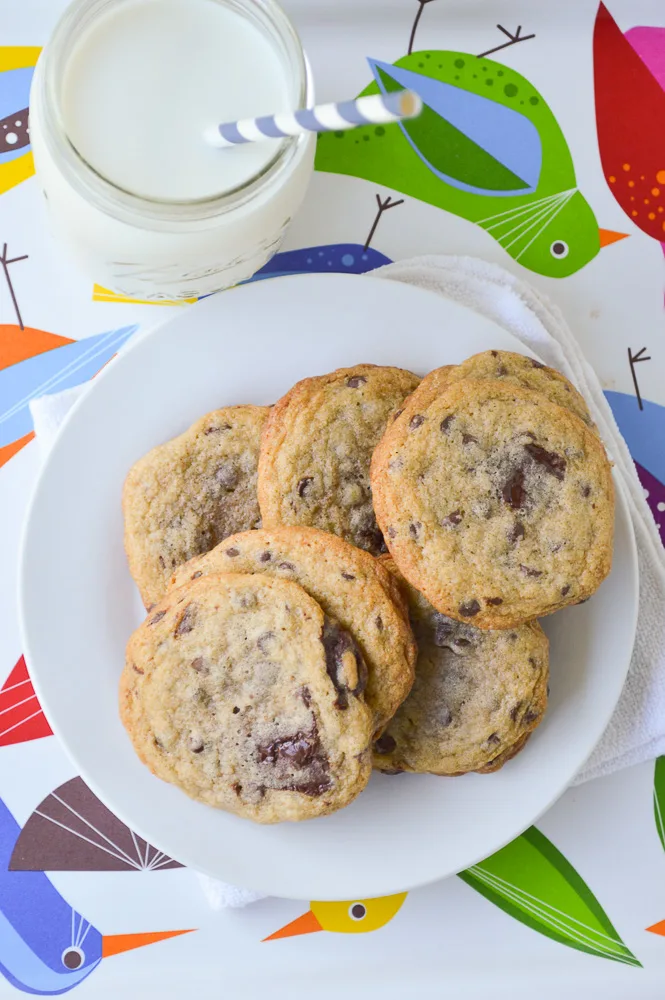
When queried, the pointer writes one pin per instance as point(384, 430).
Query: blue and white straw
point(377, 109)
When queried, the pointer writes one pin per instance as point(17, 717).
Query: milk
point(120, 100)
point(142, 84)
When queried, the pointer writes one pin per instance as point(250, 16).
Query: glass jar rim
point(117, 201)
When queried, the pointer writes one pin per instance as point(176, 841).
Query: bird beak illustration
point(305, 924)
point(114, 944)
point(608, 236)
point(658, 928)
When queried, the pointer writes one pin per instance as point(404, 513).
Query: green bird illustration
point(486, 147)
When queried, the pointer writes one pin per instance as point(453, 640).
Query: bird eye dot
point(72, 958)
point(559, 249)
point(357, 911)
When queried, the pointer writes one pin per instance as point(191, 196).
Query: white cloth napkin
point(637, 730)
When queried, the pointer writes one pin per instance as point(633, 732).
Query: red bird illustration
point(630, 111)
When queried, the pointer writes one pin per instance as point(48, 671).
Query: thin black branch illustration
point(383, 207)
point(421, 5)
point(5, 262)
point(634, 359)
point(514, 39)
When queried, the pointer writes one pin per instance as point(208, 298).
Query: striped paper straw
point(377, 109)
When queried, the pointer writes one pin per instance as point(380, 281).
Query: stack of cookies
point(351, 579)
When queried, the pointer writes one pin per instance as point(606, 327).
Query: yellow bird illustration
point(17, 65)
point(355, 916)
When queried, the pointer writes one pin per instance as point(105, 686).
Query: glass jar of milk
point(121, 97)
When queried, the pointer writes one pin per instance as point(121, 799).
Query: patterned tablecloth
point(541, 147)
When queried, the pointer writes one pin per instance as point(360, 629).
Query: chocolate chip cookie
point(508, 367)
point(185, 496)
point(496, 503)
point(316, 450)
point(240, 691)
point(476, 698)
point(349, 585)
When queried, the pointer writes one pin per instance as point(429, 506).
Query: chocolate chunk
point(513, 491)
point(495, 354)
point(551, 462)
point(157, 618)
point(530, 571)
point(312, 788)
point(196, 575)
point(494, 601)
point(306, 695)
point(414, 528)
point(516, 532)
point(530, 717)
point(452, 519)
point(416, 420)
point(217, 430)
point(298, 750)
point(137, 669)
point(348, 576)
point(469, 609)
point(444, 426)
point(355, 381)
point(265, 557)
point(304, 485)
point(493, 739)
point(235, 709)
point(232, 552)
point(515, 711)
point(378, 621)
point(237, 787)
point(385, 744)
point(196, 746)
point(397, 413)
point(586, 491)
point(337, 645)
point(199, 664)
point(565, 590)
point(227, 474)
point(286, 566)
point(186, 621)
point(263, 641)
point(536, 364)
point(469, 439)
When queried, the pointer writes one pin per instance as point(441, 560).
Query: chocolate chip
point(265, 557)
point(469, 439)
point(533, 662)
point(263, 641)
point(235, 709)
point(355, 381)
point(232, 552)
point(137, 669)
point(227, 474)
point(306, 695)
point(186, 621)
point(444, 426)
point(494, 601)
point(530, 717)
point(156, 743)
point(391, 770)
point(529, 571)
point(565, 590)
point(391, 533)
point(416, 420)
point(385, 744)
point(513, 491)
point(161, 562)
point(501, 370)
point(516, 532)
point(513, 636)
point(196, 575)
point(469, 609)
point(414, 528)
point(195, 746)
point(304, 485)
point(199, 664)
point(348, 576)
point(237, 787)
point(493, 739)
point(495, 354)
point(397, 413)
point(312, 788)
point(157, 618)
point(337, 645)
point(298, 750)
point(452, 519)
point(551, 462)
point(515, 711)
point(286, 566)
point(378, 621)
point(536, 364)
point(217, 430)
point(586, 491)
point(557, 546)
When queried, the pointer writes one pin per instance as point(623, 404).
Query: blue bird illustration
point(46, 946)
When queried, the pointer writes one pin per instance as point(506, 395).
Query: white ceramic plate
point(79, 605)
